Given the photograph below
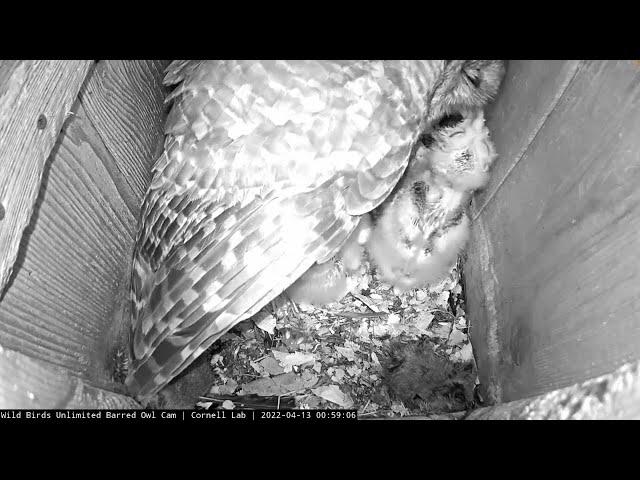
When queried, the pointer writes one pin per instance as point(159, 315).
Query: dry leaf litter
point(382, 352)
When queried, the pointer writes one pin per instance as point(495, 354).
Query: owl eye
point(474, 77)
point(455, 134)
point(427, 140)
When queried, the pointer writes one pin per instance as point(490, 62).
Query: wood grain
point(34, 99)
point(124, 100)
point(26, 383)
point(554, 261)
point(74, 258)
point(529, 93)
point(614, 396)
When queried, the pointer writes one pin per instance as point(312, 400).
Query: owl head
point(460, 151)
point(466, 84)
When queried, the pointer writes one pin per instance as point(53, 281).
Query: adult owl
point(266, 170)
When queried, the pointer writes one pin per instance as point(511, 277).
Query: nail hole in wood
point(42, 122)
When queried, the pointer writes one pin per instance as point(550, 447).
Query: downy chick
point(423, 226)
point(461, 152)
point(420, 233)
point(330, 281)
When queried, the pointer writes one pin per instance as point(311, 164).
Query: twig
point(362, 315)
point(367, 302)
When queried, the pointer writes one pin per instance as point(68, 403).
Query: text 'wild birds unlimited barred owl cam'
point(267, 169)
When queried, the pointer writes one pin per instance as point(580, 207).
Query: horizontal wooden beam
point(26, 383)
point(615, 396)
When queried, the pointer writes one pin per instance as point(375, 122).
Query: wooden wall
point(65, 304)
point(553, 269)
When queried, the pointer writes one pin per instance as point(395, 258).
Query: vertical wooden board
point(34, 99)
point(529, 92)
point(73, 258)
point(554, 266)
point(124, 100)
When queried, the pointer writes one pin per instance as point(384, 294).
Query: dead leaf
point(464, 355)
point(423, 322)
point(217, 359)
point(309, 379)
point(443, 300)
point(226, 389)
point(333, 394)
point(228, 405)
point(347, 353)
point(273, 386)
point(289, 360)
point(338, 375)
point(353, 370)
point(393, 318)
point(257, 367)
point(375, 360)
point(399, 408)
point(374, 308)
point(441, 330)
point(271, 366)
point(313, 401)
point(266, 322)
point(457, 337)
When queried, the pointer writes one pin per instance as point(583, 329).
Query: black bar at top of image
point(142, 417)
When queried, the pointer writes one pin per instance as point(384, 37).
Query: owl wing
point(266, 169)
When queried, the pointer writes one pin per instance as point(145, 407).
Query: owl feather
point(266, 170)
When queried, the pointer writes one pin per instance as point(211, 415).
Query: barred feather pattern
point(266, 170)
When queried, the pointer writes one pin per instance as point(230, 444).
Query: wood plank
point(26, 383)
point(554, 262)
point(614, 396)
point(529, 92)
point(124, 100)
point(74, 259)
point(34, 99)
